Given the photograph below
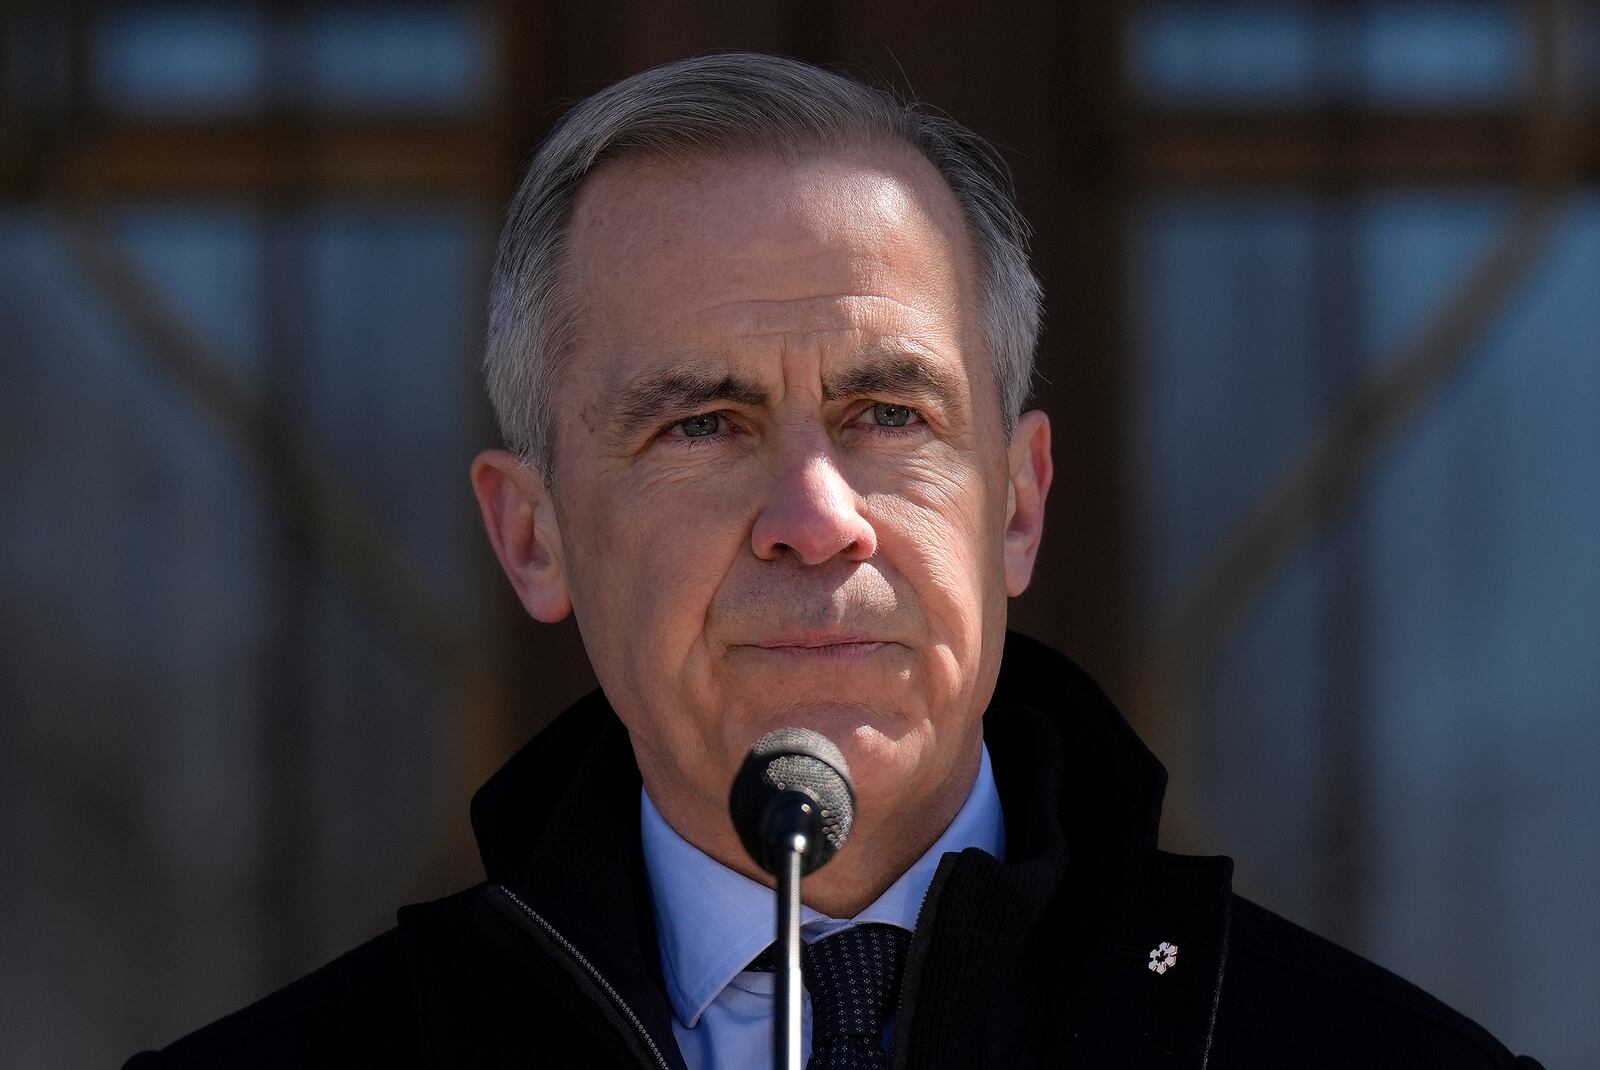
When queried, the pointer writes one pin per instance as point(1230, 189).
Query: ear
point(1031, 472)
point(520, 517)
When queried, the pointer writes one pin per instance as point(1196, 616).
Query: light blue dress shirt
point(713, 921)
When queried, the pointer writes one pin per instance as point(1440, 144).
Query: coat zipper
point(594, 974)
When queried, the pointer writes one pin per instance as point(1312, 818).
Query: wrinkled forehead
point(683, 214)
point(755, 242)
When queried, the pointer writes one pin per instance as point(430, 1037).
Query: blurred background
point(1322, 354)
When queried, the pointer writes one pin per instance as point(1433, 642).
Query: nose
point(812, 513)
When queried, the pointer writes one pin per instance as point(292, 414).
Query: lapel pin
point(1163, 957)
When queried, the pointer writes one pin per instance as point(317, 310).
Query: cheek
point(939, 530)
point(652, 559)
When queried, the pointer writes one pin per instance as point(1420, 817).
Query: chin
point(884, 746)
point(885, 755)
point(853, 727)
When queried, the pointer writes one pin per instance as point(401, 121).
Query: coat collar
point(1110, 793)
point(1059, 933)
point(1093, 782)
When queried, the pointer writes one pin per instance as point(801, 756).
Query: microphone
point(793, 782)
point(792, 804)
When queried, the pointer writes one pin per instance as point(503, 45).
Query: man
point(760, 342)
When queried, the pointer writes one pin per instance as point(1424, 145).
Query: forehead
point(753, 245)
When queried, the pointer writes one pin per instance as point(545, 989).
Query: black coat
point(1040, 960)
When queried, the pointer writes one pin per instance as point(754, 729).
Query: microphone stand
point(786, 1035)
point(792, 805)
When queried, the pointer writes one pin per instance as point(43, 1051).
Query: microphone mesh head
point(790, 759)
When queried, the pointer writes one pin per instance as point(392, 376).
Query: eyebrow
point(671, 390)
point(900, 375)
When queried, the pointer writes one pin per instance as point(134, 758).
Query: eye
point(885, 414)
point(700, 426)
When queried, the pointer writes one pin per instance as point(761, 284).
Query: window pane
point(1280, 55)
point(193, 61)
point(373, 59)
point(1421, 676)
point(184, 60)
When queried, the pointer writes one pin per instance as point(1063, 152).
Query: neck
point(872, 861)
point(878, 852)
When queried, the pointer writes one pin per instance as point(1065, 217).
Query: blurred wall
point(1321, 359)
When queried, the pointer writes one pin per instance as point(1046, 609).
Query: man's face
point(782, 494)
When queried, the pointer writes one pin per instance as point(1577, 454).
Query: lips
point(825, 646)
point(811, 640)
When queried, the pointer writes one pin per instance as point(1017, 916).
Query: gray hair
point(709, 106)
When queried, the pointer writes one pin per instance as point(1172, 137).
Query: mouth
point(821, 647)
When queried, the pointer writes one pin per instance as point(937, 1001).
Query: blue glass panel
point(179, 59)
point(1415, 247)
point(1460, 54)
point(392, 298)
point(1441, 635)
point(130, 575)
point(1247, 347)
point(1221, 54)
point(382, 303)
point(1258, 55)
point(1486, 683)
point(206, 264)
point(1225, 322)
point(193, 60)
point(371, 58)
point(143, 570)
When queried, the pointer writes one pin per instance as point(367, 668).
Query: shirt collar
point(713, 921)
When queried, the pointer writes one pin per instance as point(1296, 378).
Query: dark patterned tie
point(854, 980)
